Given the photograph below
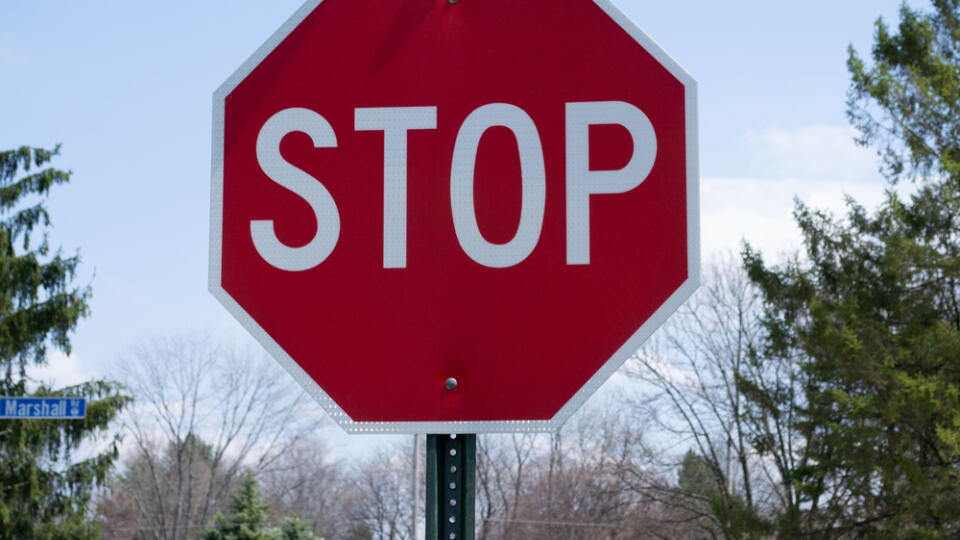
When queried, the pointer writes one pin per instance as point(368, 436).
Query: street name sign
point(454, 218)
point(42, 407)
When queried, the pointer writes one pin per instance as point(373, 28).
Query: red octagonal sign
point(454, 217)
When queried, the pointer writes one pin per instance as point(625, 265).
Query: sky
point(126, 87)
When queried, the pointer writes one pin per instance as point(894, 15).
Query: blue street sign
point(48, 407)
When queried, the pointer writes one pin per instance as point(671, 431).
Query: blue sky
point(126, 87)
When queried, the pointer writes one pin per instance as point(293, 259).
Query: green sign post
point(451, 486)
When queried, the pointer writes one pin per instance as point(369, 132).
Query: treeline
point(208, 420)
point(597, 477)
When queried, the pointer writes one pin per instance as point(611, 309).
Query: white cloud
point(819, 164)
point(60, 370)
point(811, 152)
point(760, 211)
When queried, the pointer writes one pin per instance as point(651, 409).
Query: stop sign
point(454, 217)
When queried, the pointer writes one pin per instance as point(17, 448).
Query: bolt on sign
point(454, 218)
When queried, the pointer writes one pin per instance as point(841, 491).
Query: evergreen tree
point(729, 517)
point(696, 481)
point(872, 312)
point(695, 476)
point(43, 492)
point(246, 518)
point(292, 528)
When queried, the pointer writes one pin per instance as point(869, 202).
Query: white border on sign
point(608, 368)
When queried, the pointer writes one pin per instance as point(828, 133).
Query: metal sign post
point(415, 488)
point(451, 486)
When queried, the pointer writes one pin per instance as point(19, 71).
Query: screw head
point(451, 383)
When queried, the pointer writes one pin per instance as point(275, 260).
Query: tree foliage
point(44, 493)
point(247, 518)
point(293, 528)
point(905, 104)
point(871, 313)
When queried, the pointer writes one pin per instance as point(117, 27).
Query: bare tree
point(694, 374)
point(577, 492)
point(304, 481)
point(571, 484)
point(380, 495)
point(203, 414)
point(503, 464)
